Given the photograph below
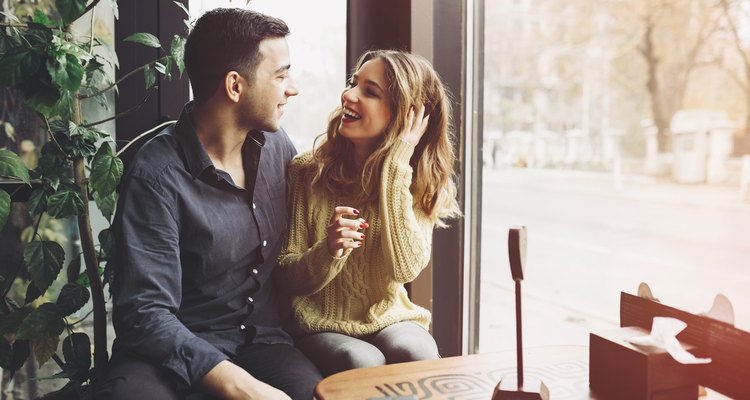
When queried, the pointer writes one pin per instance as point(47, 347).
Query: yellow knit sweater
point(363, 291)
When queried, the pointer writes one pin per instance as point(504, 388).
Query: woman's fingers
point(346, 223)
point(420, 116)
point(340, 211)
point(343, 233)
point(416, 126)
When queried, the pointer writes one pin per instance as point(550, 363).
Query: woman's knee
point(360, 355)
point(406, 341)
point(407, 349)
point(334, 352)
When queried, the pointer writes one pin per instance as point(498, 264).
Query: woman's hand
point(415, 127)
point(343, 232)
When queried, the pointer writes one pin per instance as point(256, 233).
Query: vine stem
point(89, 251)
point(128, 111)
point(98, 92)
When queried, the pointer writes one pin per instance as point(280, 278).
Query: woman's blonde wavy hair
point(411, 82)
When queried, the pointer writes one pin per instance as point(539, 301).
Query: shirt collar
point(195, 154)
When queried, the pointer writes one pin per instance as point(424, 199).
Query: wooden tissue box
point(619, 370)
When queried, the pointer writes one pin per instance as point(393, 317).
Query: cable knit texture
point(363, 291)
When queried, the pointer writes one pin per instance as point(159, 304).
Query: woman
point(363, 206)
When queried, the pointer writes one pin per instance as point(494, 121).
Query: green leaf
point(106, 171)
point(106, 241)
point(82, 146)
point(149, 74)
point(65, 203)
point(66, 71)
point(43, 322)
point(177, 51)
point(94, 74)
point(17, 65)
point(106, 204)
point(9, 323)
point(21, 351)
point(37, 202)
point(44, 348)
point(39, 36)
point(4, 207)
point(70, 10)
point(44, 260)
point(106, 273)
point(77, 353)
point(74, 268)
point(42, 19)
point(42, 96)
point(83, 279)
point(160, 67)
point(182, 6)
point(32, 293)
point(115, 9)
point(145, 39)
point(72, 297)
point(6, 354)
point(167, 63)
point(12, 166)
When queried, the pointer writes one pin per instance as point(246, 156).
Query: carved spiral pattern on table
point(565, 380)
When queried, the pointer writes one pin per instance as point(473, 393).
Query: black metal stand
point(515, 386)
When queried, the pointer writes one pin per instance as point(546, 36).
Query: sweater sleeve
point(407, 231)
point(305, 266)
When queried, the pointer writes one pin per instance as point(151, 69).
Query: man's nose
point(291, 90)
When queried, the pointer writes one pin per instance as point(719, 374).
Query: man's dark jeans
point(279, 365)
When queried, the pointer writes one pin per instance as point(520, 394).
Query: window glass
point(615, 131)
point(317, 46)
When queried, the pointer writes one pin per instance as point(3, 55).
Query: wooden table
point(564, 369)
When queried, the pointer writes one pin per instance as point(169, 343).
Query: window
point(575, 150)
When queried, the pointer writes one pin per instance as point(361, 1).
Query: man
point(198, 229)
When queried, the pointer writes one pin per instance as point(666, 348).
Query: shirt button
point(255, 271)
point(264, 243)
point(253, 206)
point(250, 300)
point(242, 327)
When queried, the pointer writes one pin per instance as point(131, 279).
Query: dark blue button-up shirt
point(195, 252)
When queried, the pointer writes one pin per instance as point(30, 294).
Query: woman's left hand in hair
point(415, 127)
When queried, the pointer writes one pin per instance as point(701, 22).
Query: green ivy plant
point(58, 75)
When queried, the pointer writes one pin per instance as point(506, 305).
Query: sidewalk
point(635, 187)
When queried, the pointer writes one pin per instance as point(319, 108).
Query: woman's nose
point(349, 95)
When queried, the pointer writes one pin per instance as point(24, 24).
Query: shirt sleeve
point(407, 230)
point(304, 269)
point(147, 287)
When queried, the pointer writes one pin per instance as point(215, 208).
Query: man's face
point(263, 103)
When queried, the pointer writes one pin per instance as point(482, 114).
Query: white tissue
point(664, 336)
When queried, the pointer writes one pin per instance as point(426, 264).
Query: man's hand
point(343, 232)
point(229, 381)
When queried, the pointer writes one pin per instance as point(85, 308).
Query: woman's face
point(366, 104)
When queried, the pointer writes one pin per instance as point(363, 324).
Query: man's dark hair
point(223, 40)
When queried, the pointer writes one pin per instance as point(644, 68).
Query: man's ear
point(233, 85)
